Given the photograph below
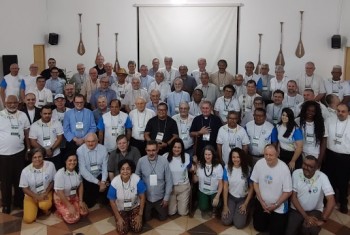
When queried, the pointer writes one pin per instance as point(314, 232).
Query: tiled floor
point(100, 221)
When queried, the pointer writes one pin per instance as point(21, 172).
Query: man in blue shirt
point(103, 90)
point(78, 122)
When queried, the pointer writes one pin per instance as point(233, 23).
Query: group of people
point(140, 140)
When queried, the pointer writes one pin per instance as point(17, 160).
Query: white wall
point(321, 21)
point(22, 24)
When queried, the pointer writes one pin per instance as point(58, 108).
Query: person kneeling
point(37, 183)
point(68, 196)
point(127, 198)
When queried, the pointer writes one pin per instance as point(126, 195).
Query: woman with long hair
point(312, 124)
point(68, 196)
point(209, 173)
point(179, 164)
point(288, 138)
point(238, 191)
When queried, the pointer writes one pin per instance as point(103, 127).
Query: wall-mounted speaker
point(53, 38)
point(336, 41)
point(7, 60)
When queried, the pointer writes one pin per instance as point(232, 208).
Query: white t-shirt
point(43, 97)
point(195, 109)
point(338, 135)
point(113, 127)
point(30, 82)
point(37, 179)
point(273, 181)
point(288, 143)
point(310, 192)
point(46, 134)
point(58, 116)
point(139, 121)
point(309, 142)
point(12, 84)
point(279, 85)
point(231, 138)
point(12, 128)
point(178, 169)
point(259, 136)
point(292, 102)
point(121, 89)
point(184, 129)
point(238, 184)
point(131, 96)
point(339, 88)
point(223, 106)
point(67, 181)
point(315, 82)
point(208, 178)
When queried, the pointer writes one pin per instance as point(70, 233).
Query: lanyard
point(95, 156)
point(227, 105)
point(153, 169)
point(138, 118)
point(208, 168)
point(312, 79)
point(164, 125)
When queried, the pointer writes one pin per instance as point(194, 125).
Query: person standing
point(337, 157)
point(155, 172)
point(14, 130)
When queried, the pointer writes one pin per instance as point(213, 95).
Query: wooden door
point(39, 56)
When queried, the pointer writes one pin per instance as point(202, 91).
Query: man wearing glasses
point(55, 83)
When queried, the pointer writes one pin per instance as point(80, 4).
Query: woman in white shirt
point(209, 175)
point(68, 196)
point(37, 182)
point(238, 191)
point(179, 164)
point(289, 137)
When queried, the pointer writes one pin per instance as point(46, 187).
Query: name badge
point(206, 137)
point(141, 132)
point(39, 187)
point(93, 167)
point(207, 183)
point(265, 88)
point(224, 113)
point(79, 126)
point(232, 145)
point(177, 110)
point(221, 88)
point(73, 191)
point(127, 204)
point(339, 135)
point(159, 137)
point(46, 141)
point(310, 138)
point(184, 137)
point(255, 141)
point(153, 180)
point(337, 142)
point(41, 101)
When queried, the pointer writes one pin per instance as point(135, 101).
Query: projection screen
point(187, 33)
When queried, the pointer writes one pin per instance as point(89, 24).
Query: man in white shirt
point(42, 94)
point(259, 132)
point(274, 110)
point(250, 75)
point(14, 129)
point(29, 81)
point(226, 103)
point(170, 73)
point(159, 84)
point(139, 118)
point(129, 101)
point(132, 71)
point(10, 85)
point(246, 101)
point(146, 79)
point(121, 87)
point(280, 81)
point(231, 136)
point(202, 63)
point(337, 157)
point(310, 186)
point(184, 121)
point(338, 86)
point(292, 99)
point(48, 134)
point(112, 124)
point(332, 102)
point(273, 186)
point(312, 81)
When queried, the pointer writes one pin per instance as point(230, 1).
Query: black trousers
point(92, 193)
point(286, 156)
point(11, 167)
point(338, 171)
point(274, 223)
